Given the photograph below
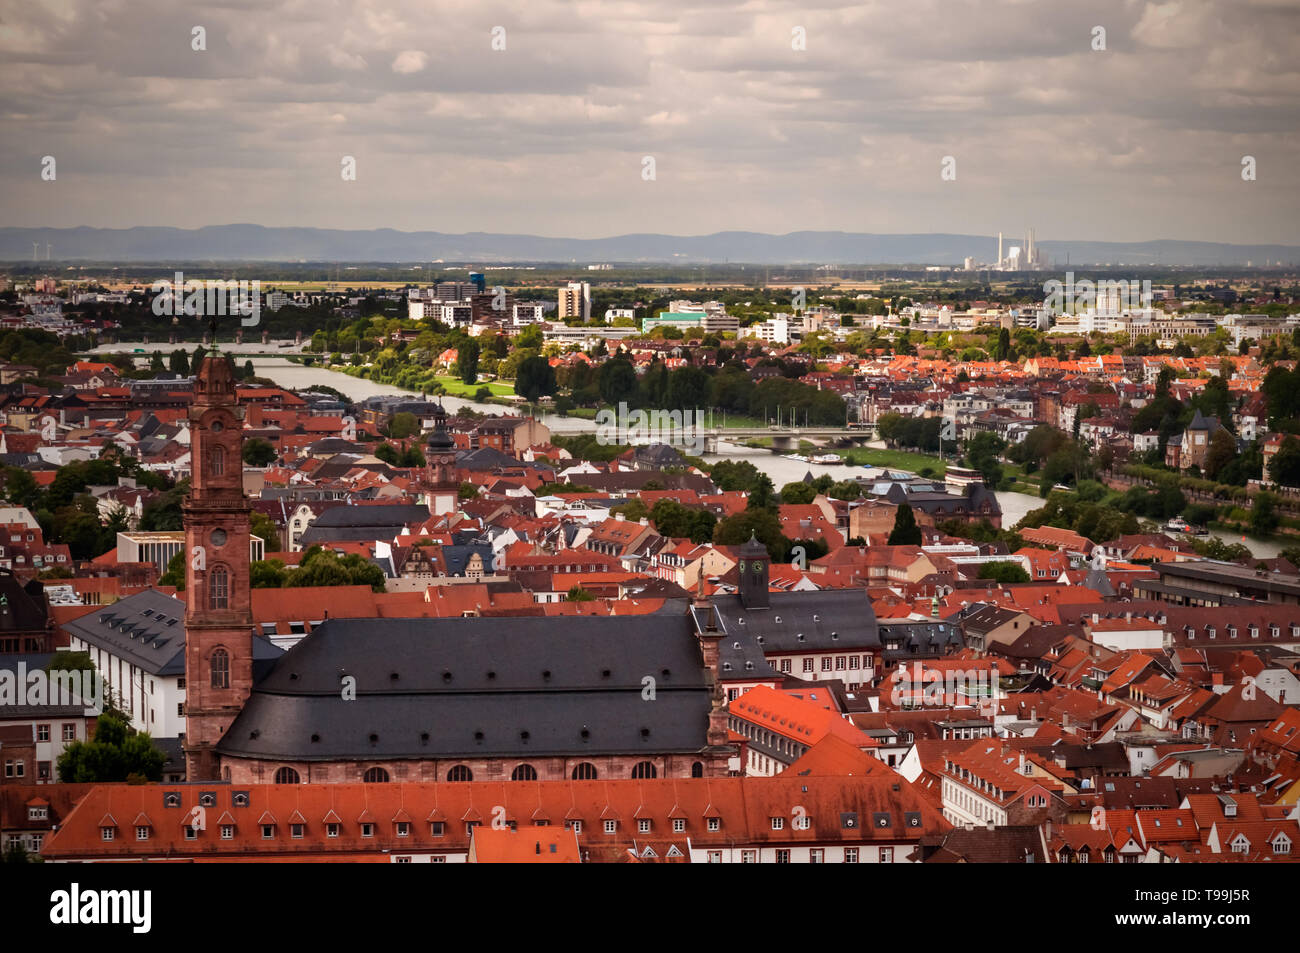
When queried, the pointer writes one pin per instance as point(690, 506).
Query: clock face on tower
point(218, 537)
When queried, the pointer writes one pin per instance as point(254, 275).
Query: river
point(780, 469)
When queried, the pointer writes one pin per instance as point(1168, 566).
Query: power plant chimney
point(999, 249)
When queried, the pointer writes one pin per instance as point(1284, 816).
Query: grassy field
point(896, 459)
point(736, 420)
point(458, 388)
point(1022, 484)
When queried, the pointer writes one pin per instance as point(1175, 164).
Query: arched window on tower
point(586, 771)
point(219, 588)
point(376, 776)
point(217, 461)
point(524, 772)
point(220, 665)
point(460, 773)
point(644, 769)
point(697, 769)
point(286, 776)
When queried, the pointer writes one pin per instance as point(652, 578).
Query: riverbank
point(779, 469)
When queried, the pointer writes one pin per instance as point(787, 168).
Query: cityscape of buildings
point(415, 628)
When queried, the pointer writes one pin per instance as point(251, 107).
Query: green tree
point(164, 512)
point(467, 361)
point(1284, 468)
point(403, 425)
point(116, 753)
point(263, 527)
point(1222, 451)
point(688, 388)
point(982, 452)
point(617, 381)
point(634, 510)
point(762, 495)
point(906, 532)
point(682, 522)
point(845, 490)
point(175, 574)
point(535, 378)
point(258, 452)
point(529, 337)
point(179, 362)
point(732, 475)
point(1264, 517)
point(1004, 571)
point(1003, 348)
point(16, 853)
point(267, 574)
point(578, 594)
point(20, 487)
point(324, 567)
point(65, 661)
point(736, 530)
point(798, 493)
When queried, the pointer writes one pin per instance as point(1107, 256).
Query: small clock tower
point(218, 613)
point(441, 483)
point(755, 567)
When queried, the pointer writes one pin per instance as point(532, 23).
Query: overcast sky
point(1142, 140)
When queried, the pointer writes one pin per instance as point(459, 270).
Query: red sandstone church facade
point(218, 604)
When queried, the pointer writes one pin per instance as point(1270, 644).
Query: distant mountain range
point(257, 243)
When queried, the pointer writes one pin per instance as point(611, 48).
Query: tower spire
point(218, 613)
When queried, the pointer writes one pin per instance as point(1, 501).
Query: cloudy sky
point(1144, 139)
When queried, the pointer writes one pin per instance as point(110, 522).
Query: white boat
point(797, 456)
point(827, 458)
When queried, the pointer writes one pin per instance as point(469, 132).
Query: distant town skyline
point(925, 117)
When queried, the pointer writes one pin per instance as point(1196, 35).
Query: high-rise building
point(575, 301)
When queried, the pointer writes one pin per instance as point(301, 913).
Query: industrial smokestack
point(999, 248)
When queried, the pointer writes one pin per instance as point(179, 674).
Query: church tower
point(755, 567)
point(441, 482)
point(218, 614)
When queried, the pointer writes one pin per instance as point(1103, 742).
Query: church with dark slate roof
point(528, 698)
